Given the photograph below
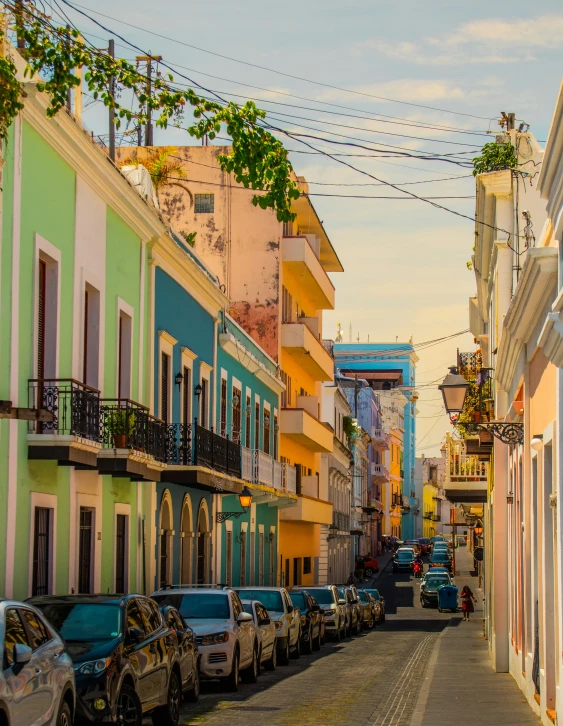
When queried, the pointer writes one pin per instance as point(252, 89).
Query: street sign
point(478, 554)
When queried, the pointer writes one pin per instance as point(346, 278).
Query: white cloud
point(491, 41)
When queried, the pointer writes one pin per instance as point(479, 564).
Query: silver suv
point(287, 618)
point(332, 606)
point(37, 680)
point(226, 635)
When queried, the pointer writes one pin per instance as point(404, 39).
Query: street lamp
point(245, 498)
point(178, 379)
point(236, 400)
point(454, 389)
point(197, 390)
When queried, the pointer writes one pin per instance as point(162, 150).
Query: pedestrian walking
point(467, 599)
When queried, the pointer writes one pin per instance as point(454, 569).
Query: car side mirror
point(290, 608)
point(244, 618)
point(22, 654)
point(264, 621)
point(135, 635)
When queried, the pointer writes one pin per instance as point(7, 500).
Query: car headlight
point(303, 620)
point(92, 667)
point(279, 624)
point(214, 638)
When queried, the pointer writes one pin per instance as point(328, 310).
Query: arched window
point(203, 535)
point(186, 543)
point(166, 532)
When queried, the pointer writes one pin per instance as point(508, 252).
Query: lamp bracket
point(507, 432)
point(221, 517)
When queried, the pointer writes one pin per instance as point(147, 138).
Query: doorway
point(202, 537)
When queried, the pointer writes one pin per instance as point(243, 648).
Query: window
point(257, 425)
point(41, 313)
point(91, 337)
point(85, 553)
point(186, 396)
point(121, 529)
point(204, 203)
point(237, 402)
point(124, 355)
point(151, 615)
point(287, 229)
point(276, 428)
point(266, 432)
point(286, 395)
point(37, 631)
point(47, 314)
point(248, 411)
point(223, 418)
point(306, 565)
point(237, 605)
point(204, 390)
point(41, 552)
point(287, 306)
point(134, 617)
point(14, 634)
point(242, 559)
point(229, 558)
point(164, 387)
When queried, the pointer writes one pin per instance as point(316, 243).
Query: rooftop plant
point(495, 157)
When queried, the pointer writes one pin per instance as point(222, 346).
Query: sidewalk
point(460, 683)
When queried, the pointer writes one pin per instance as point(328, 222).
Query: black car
point(402, 560)
point(126, 659)
point(429, 589)
point(312, 620)
point(440, 559)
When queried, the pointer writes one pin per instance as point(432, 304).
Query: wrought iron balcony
point(179, 445)
point(216, 452)
point(73, 436)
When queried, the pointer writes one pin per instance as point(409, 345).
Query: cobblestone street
point(372, 680)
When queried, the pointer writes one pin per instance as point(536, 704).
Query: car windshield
point(405, 555)
point(433, 583)
point(424, 540)
point(439, 557)
point(438, 538)
point(84, 621)
point(197, 604)
point(299, 600)
point(322, 596)
point(270, 599)
point(374, 593)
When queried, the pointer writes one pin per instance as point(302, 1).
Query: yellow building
point(306, 290)
point(429, 493)
point(394, 498)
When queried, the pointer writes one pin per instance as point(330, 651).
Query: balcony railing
point(289, 478)
point(379, 439)
point(179, 444)
point(247, 469)
point(129, 425)
point(74, 405)
point(379, 471)
point(341, 522)
point(216, 452)
point(263, 468)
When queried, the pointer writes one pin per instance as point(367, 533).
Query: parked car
point(287, 619)
point(379, 604)
point(425, 544)
point(370, 565)
point(126, 659)
point(37, 677)
point(441, 547)
point(266, 630)
point(403, 560)
point(225, 634)
point(312, 620)
point(440, 559)
point(188, 653)
point(353, 610)
point(334, 608)
point(437, 571)
point(415, 544)
point(367, 603)
point(429, 589)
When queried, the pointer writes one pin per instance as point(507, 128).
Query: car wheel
point(231, 681)
point(128, 711)
point(283, 655)
point(260, 661)
point(169, 714)
point(369, 572)
point(308, 645)
point(250, 674)
point(423, 604)
point(65, 716)
point(317, 641)
point(193, 694)
point(270, 665)
point(296, 652)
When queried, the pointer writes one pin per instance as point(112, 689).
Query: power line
point(281, 73)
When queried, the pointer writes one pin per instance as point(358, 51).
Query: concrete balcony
point(467, 477)
point(379, 473)
point(303, 428)
point(302, 261)
point(308, 510)
point(379, 439)
point(307, 350)
point(309, 486)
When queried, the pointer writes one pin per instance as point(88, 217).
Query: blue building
point(218, 393)
point(387, 366)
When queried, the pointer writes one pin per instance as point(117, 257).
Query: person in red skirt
point(467, 599)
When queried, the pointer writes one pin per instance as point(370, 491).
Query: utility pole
point(148, 59)
point(111, 53)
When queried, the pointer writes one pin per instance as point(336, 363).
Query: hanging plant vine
point(257, 159)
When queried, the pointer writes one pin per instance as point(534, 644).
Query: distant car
point(328, 597)
point(368, 605)
point(441, 547)
point(429, 589)
point(226, 635)
point(266, 629)
point(312, 620)
point(379, 604)
point(119, 644)
point(370, 565)
point(415, 544)
point(424, 543)
point(353, 610)
point(440, 559)
point(436, 572)
point(403, 560)
point(37, 676)
point(287, 619)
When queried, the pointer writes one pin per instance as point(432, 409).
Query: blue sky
point(405, 262)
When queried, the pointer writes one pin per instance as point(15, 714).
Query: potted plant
point(121, 425)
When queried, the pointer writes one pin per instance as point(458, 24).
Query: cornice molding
point(498, 183)
point(536, 285)
point(65, 135)
point(236, 350)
